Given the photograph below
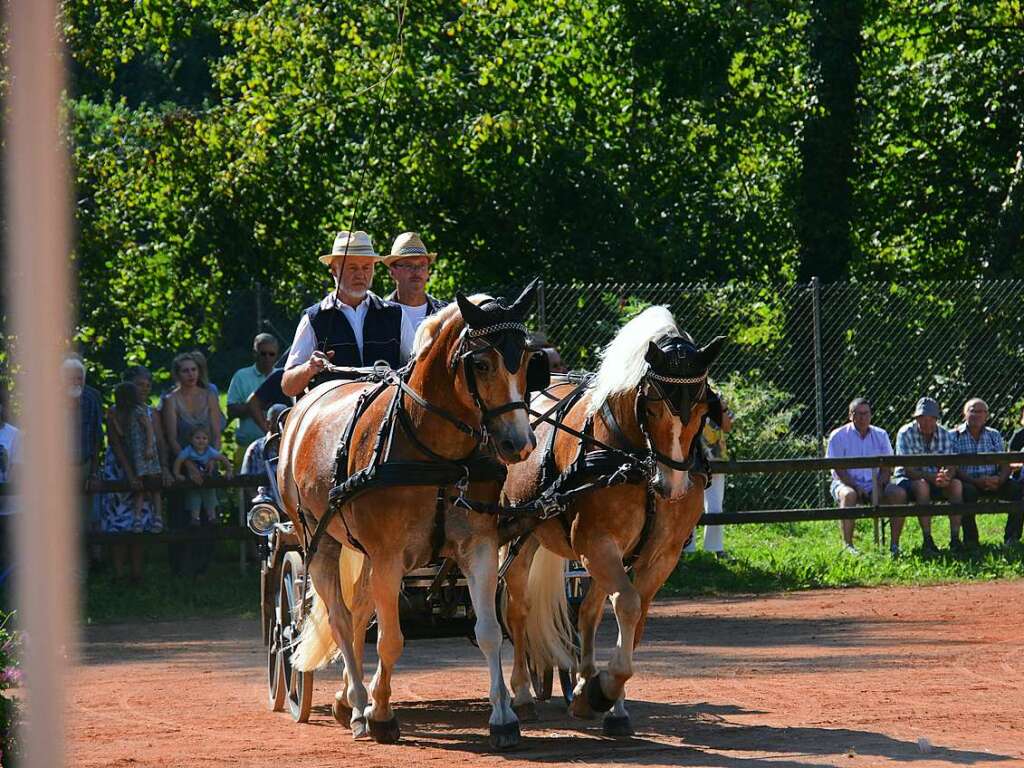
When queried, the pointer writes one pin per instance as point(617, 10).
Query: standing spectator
point(991, 480)
point(1016, 446)
point(851, 487)
point(87, 407)
point(713, 440)
point(189, 406)
point(140, 376)
point(923, 484)
point(243, 384)
point(9, 457)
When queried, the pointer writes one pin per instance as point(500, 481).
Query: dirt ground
point(926, 676)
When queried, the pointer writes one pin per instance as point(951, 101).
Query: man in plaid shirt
point(992, 480)
point(924, 435)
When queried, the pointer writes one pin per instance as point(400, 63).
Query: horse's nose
point(516, 448)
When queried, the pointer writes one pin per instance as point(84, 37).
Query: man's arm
point(304, 360)
point(236, 399)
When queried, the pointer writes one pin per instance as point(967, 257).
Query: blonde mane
point(622, 362)
point(430, 329)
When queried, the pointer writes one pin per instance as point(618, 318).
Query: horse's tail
point(550, 639)
point(316, 647)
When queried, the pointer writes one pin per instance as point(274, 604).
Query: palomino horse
point(466, 389)
point(649, 399)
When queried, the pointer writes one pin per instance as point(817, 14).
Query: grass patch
point(790, 556)
point(221, 591)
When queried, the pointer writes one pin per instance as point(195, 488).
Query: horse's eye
point(481, 365)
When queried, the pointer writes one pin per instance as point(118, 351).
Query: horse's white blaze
point(678, 480)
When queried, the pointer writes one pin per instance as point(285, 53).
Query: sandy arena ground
point(848, 678)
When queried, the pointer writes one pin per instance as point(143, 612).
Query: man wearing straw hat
point(409, 264)
point(352, 326)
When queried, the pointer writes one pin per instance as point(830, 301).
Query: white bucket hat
point(356, 243)
point(406, 245)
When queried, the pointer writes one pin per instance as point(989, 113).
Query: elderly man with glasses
point(986, 480)
point(851, 487)
point(246, 381)
point(409, 265)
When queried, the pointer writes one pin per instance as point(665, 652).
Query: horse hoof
point(341, 710)
point(505, 736)
point(580, 709)
point(617, 727)
point(359, 730)
point(386, 731)
point(595, 697)
point(526, 712)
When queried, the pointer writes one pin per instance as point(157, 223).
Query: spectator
point(191, 405)
point(923, 484)
point(1016, 446)
point(243, 384)
point(201, 457)
point(986, 480)
point(258, 454)
point(853, 486)
point(10, 455)
point(140, 376)
point(86, 404)
point(713, 440)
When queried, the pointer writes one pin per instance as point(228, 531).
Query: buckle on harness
point(549, 507)
point(620, 475)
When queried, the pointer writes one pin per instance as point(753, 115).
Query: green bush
point(10, 677)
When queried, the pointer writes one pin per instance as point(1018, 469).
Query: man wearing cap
point(409, 264)
point(352, 326)
point(924, 484)
point(992, 480)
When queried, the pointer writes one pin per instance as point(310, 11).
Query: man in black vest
point(352, 326)
point(409, 264)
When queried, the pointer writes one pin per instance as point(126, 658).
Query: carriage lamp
point(262, 518)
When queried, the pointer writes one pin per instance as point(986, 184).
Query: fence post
point(819, 384)
point(542, 321)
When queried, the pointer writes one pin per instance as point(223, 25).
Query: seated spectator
point(243, 384)
point(925, 435)
point(851, 487)
point(986, 480)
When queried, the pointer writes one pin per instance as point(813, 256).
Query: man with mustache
point(352, 326)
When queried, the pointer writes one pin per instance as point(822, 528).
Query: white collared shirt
point(304, 343)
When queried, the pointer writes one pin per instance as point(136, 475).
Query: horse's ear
point(714, 406)
point(654, 355)
point(471, 313)
point(711, 351)
point(522, 305)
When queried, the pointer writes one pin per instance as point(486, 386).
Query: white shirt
point(411, 319)
point(304, 343)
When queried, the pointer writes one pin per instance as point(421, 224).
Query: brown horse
point(650, 398)
point(466, 388)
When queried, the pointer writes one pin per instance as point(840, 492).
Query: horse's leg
point(481, 569)
point(617, 722)
point(385, 583)
point(601, 692)
point(587, 621)
point(325, 574)
point(361, 612)
point(516, 611)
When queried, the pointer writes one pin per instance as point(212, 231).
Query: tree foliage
point(220, 144)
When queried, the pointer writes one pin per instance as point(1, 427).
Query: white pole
point(37, 287)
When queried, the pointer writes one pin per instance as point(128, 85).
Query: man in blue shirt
point(988, 480)
point(251, 426)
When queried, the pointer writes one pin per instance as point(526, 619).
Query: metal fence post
point(542, 321)
point(819, 387)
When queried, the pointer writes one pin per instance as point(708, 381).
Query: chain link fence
point(798, 354)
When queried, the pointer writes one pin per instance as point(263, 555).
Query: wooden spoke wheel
point(275, 672)
point(297, 686)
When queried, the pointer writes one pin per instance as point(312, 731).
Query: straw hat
point(357, 243)
point(408, 244)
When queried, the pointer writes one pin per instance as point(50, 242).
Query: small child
point(203, 456)
point(135, 428)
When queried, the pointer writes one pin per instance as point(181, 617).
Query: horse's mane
point(430, 329)
point(622, 361)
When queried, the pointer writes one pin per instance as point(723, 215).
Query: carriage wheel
point(275, 670)
point(298, 686)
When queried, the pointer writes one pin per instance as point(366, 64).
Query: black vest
point(382, 334)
